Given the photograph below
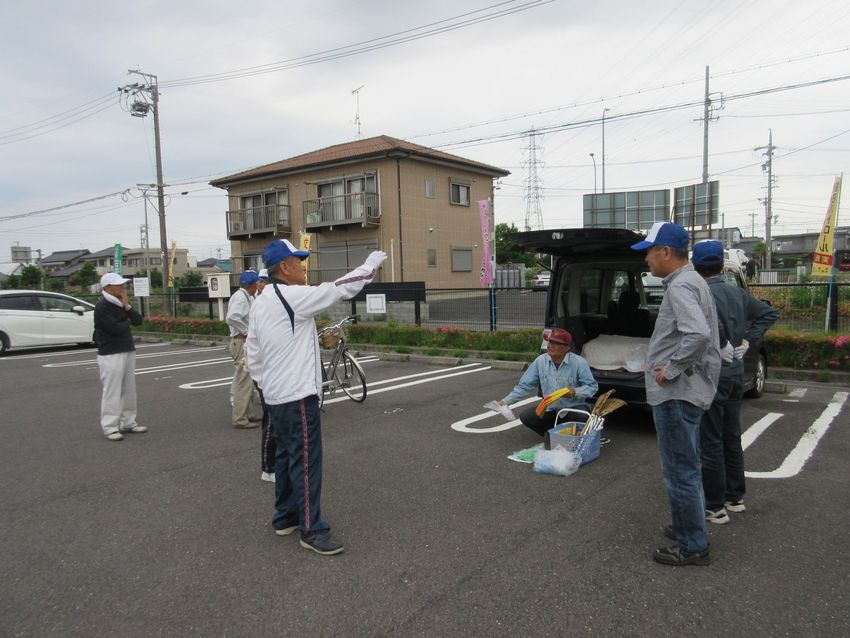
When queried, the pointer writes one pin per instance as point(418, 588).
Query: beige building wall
point(426, 222)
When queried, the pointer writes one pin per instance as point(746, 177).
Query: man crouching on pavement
point(282, 345)
point(558, 368)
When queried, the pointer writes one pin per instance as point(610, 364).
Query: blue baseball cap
point(708, 252)
point(248, 277)
point(664, 234)
point(279, 250)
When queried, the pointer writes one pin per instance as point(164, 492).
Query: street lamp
point(604, 111)
point(149, 90)
point(594, 173)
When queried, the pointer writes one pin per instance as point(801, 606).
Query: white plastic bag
point(504, 410)
point(558, 461)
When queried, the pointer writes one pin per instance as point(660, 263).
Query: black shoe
point(669, 533)
point(675, 556)
point(321, 543)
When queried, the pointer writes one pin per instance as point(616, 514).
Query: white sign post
point(376, 304)
point(142, 289)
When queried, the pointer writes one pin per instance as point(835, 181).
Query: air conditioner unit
point(236, 227)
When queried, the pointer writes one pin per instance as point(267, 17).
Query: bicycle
point(343, 372)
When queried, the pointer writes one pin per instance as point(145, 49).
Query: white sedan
point(39, 318)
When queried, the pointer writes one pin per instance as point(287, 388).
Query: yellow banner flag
point(822, 259)
point(171, 264)
point(305, 245)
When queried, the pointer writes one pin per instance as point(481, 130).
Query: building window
point(461, 259)
point(432, 257)
point(460, 194)
point(430, 192)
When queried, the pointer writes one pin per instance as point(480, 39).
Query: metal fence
point(802, 307)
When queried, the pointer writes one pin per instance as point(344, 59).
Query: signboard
point(219, 286)
point(21, 254)
point(634, 210)
point(696, 205)
point(376, 304)
point(305, 245)
point(118, 260)
point(142, 286)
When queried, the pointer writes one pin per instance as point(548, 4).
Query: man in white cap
point(283, 351)
point(682, 369)
point(116, 358)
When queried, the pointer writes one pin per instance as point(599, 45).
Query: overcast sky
point(545, 65)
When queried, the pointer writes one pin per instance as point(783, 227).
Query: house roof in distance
point(63, 256)
point(373, 147)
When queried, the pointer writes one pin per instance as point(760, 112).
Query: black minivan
point(602, 292)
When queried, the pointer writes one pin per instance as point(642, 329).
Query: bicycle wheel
point(349, 375)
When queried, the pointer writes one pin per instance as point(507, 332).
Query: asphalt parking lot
point(168, 533)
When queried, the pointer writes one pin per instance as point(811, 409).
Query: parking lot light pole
point(594, 172)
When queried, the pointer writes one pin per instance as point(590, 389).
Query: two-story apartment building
point(417, 204)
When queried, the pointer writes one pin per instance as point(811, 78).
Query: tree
point(13, 281)
point(85, 276)
point(507, 252)
point(192, 279)
point(31, 276)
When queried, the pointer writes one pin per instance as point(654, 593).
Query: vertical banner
point(171, 264)
point(822, 259)
point(304, 244)
point(118, 259)
point(486, 271)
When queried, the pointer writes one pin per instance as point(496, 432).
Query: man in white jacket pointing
point(283, 350)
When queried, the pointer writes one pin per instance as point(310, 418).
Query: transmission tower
point(533, 183)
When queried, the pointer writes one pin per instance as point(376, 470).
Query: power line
point(365, 46)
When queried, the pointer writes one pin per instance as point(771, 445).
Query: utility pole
point(149, 92)
point(604, 111)
point(768, 209)
point(705, 117)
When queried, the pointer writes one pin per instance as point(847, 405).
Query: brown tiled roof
point(372, 147)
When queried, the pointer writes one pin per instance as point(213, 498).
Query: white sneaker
point(737, 506)
point(137, 429)
point(267, 476)
point(115, 436)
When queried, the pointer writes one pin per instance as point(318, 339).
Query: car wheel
point(759, 376)
point(4, 342)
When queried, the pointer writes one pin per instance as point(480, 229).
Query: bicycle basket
point(330, 338)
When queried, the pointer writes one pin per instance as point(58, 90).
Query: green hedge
point(808, 352)
point(452, 338)
point(170, 325)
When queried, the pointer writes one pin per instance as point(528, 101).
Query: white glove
point(727, 353)
point(741, 350)
point(375, 259)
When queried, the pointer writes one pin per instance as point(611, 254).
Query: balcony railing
point(338, 210)
point(273, 218)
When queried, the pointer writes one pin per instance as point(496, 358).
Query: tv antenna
point(356, 94)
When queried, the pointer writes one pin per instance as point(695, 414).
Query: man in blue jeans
point(682, 369)
point(742, 321)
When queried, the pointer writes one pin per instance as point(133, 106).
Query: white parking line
point(796, 459)
point(795, 395)
point(68, 364)
point(222, 381)
point(412, 383)
point(65, 353)
point(461, 426)
point(758, 428)
point(171, 367)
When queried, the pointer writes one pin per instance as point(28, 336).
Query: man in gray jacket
point(742, 321)
point(682, 368)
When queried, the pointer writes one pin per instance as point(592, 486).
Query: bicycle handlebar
point(339, 324)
